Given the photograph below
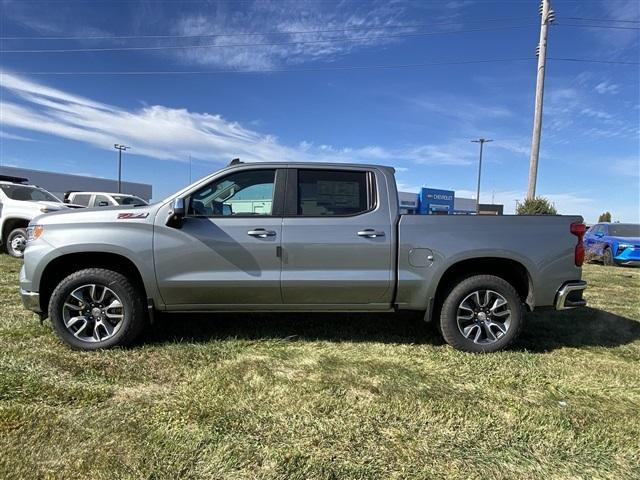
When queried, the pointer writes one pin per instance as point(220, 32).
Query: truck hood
point(107, 215)
point(50, 205)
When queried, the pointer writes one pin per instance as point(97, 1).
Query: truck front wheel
point(482, 313)
point(607, 258)
point(96, 309)
point(16, 242)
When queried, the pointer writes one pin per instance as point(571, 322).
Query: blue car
point(614, 243)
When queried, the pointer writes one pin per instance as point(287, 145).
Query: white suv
point(19, 204)
point(102, 199)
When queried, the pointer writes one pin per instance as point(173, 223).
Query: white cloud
point(460, 108)
point(568, 108)
point(607, 87)
point(616, 41)
point(596, 113)
point(12, 136)
point(175, 134)
point(286, 22)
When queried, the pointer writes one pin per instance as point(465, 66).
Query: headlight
point(34, 232)
point(622, 247)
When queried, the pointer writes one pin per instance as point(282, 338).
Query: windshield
point(129, 200)
point(624, 230)
point(27, 193)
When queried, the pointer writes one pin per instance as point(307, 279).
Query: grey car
point(297, 237)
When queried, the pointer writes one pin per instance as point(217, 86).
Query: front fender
point(132, 241)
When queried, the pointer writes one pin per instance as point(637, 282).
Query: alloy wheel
point(484, 316)
point(93, 313)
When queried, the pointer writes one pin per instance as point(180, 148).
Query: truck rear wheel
point(16, 242)
point(482, 313)
point(95, 309)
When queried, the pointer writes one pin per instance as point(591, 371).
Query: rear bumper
point(570, 295)
point(31, 300)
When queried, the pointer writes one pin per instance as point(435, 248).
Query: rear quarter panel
point(542, 244)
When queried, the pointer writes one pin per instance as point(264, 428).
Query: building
point(464, 206)
point(491, 209)
point(408, 203)
point(58, 183)
point(432, 201)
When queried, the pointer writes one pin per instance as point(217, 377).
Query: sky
point(401, 83)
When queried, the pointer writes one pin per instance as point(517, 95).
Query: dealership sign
point(436, 202)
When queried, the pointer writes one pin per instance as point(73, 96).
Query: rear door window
point(101, 201)
point(333, 193)
point(81, 199)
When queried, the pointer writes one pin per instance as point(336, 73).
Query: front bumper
point(31, 300)
point(628, 256)
point(570, 295)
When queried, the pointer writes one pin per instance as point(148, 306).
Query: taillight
point(578, 229)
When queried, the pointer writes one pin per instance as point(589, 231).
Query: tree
point(536, 206)
point(605, 217)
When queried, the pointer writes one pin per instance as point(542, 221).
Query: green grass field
point(326, 396)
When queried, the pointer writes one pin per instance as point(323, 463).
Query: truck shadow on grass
point(543, 331)
point(584, 327)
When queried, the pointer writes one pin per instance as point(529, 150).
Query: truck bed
point(431, 245)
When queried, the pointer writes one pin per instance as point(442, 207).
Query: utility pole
point(120, 148)
point(481, 141)
point(547, 16)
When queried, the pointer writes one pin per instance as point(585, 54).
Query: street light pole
point(120, 148)
point(481, 141)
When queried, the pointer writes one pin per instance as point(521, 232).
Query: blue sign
point(436, 202)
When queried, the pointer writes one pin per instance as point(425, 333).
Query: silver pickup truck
point(297, 237)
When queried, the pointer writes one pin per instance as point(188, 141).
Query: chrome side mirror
point(177, 213)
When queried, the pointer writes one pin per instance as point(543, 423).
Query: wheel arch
point(64, 265)
point(11, 224)
point(512, 271)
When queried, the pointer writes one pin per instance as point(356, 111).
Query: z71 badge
point(130, 216)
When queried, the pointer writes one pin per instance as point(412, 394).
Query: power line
point(586, 60)
point(277, 70)
point(306, 42)
point(243, 34)
point(612, 27)
point(601, 19)
point(318, 69)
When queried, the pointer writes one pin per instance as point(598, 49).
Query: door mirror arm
point(176, 214)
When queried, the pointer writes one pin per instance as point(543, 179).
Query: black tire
point(449, 312)
point(607, 258)
point(16, 234)
point(133, 320)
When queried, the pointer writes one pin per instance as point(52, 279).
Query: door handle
point(261, 233)
point(370, 233)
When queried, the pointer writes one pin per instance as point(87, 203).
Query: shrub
point(604, 217)
point(536, 206)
